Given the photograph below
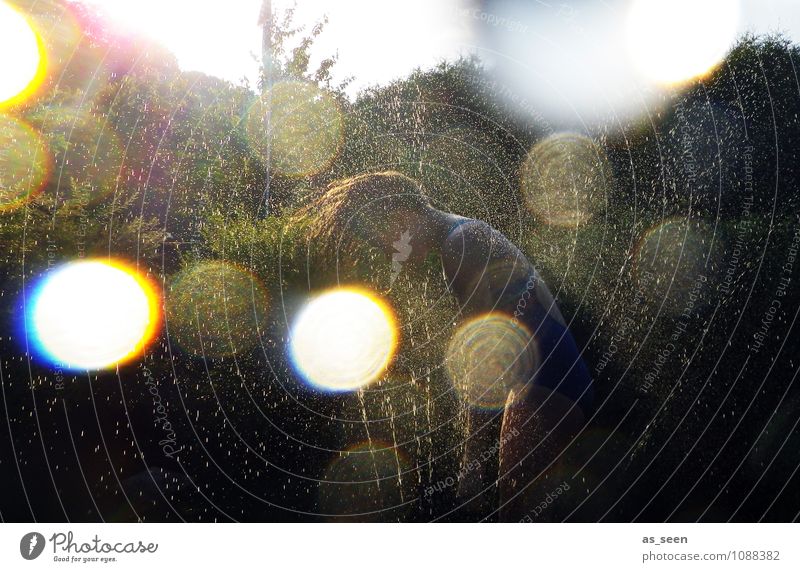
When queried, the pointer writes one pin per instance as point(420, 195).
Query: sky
point(376, 40)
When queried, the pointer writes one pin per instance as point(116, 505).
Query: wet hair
point(359, 209)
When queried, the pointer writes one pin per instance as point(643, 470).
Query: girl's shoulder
point(476, 239)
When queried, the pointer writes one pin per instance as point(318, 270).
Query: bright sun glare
point(218, 38)
point(343, 340)
point(675, 40)
point(92, 315)
point(22, 54)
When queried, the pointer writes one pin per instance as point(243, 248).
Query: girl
point(514, 342)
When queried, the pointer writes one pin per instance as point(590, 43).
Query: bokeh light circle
point(23, 57)
point(86, 150)
point(367, 482)
point(675, 264)
point(343, 339)
point(306, 128)
point(489, 356)
point(216, 309)
point(672, 41)
point(25, 163)
point(92, 314)
point(565, 179)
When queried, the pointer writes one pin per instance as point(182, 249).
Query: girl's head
point(374, 208)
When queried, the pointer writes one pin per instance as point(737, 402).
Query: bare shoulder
point(475, 255)
point(474, 241)
point(481, 265)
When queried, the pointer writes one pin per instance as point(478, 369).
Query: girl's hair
point(359, 208)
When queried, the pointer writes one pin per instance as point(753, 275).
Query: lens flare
point(216, 309)
point(672, 41)
point(489, 356)
point(67, 32)
point(676, 262)
point(305, 128)
point(25, 163)
point(368, 483)
point(23, 57)
point(343, 339)
point(565, 179)
point(92, 315)
point(86, 150)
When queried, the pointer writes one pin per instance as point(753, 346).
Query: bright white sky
point(377, 40)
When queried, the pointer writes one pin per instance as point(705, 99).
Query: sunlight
point(23, 57)
point(381, 40)
point(568, 66)
point(343, 339)
point(221, 39)
point(675, 40)
point(209, 37)
point(92, 314)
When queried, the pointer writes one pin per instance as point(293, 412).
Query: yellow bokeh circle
point(23, 55)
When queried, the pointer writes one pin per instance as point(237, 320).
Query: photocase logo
point(31, 545)
point(402, 248)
